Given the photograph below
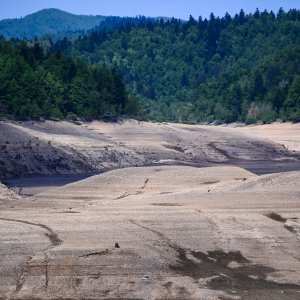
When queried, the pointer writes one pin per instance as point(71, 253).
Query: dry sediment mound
point(160, 232)
point(286, 134)
point(6, 194)
point(58, 148)
point(286, 181)
point(181, 233)
point(65, 148)
point(152, 180)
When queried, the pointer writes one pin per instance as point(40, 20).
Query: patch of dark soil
point(242, 179)
point(67, 298)
point(103, 252)
point(78, 281)
point(221, 257)
point(145, 184)
point(120, 298)
point(128, 195)
point(211, 263)
point(247, 280)
point(166, 204)
point(52, 236)
point(168, 285)
point(55, 241)
point(182, 291)
point(159, 234)
point(79, 198)
point(174, 147)
point(221, 151)
point(210, 182)
point(290, 228)
point(46, 271)
point(279, 218)
point(276, 217)
point(23, 275)
point(70, 212)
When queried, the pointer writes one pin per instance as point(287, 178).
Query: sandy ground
point(6, 193)
point(64, 148)
point(286, 134)
point(182, 232)
point(167, 231)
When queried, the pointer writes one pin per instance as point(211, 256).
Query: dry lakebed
point(137, 210)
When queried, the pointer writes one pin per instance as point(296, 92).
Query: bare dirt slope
point(167, 230)
point(182, 233)
point(65, 148)
point(6, 195)
point(57, 148)
point(286, 134)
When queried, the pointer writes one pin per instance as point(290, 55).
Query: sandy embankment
point(286, 134)
point(183, 232)
point(64, 148)
point(6, 194)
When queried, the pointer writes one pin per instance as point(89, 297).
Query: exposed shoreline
point(42, 155)
point(35, 183)
point(178, 212)
point(52, 148)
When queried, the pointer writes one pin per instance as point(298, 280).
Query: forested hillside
point(48, 22)
point(35, 83)
point(241, 68)
point(55, 24)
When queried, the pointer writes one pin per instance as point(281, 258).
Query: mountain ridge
point(59, 23)
point(46, 22)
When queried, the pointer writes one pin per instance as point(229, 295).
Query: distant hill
point(47, 22)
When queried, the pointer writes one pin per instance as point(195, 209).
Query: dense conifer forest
point(235, 68)
point(35, 83)
point(241, 68)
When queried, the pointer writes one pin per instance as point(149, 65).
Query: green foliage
point(36, 84)
point(72, 116)
point(240, 68)
point(132, 107)
point(206, 70)
point(291, 105)
point(251, 120)
point(48, 22)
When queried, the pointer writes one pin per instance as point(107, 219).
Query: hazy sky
point(169, 8)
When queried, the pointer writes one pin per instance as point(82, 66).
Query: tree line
point(240, 68)
point(37, 83)
point(235, 68)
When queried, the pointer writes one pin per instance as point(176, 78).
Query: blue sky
point(169, 8)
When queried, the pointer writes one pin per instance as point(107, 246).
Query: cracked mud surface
point(157, 232)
